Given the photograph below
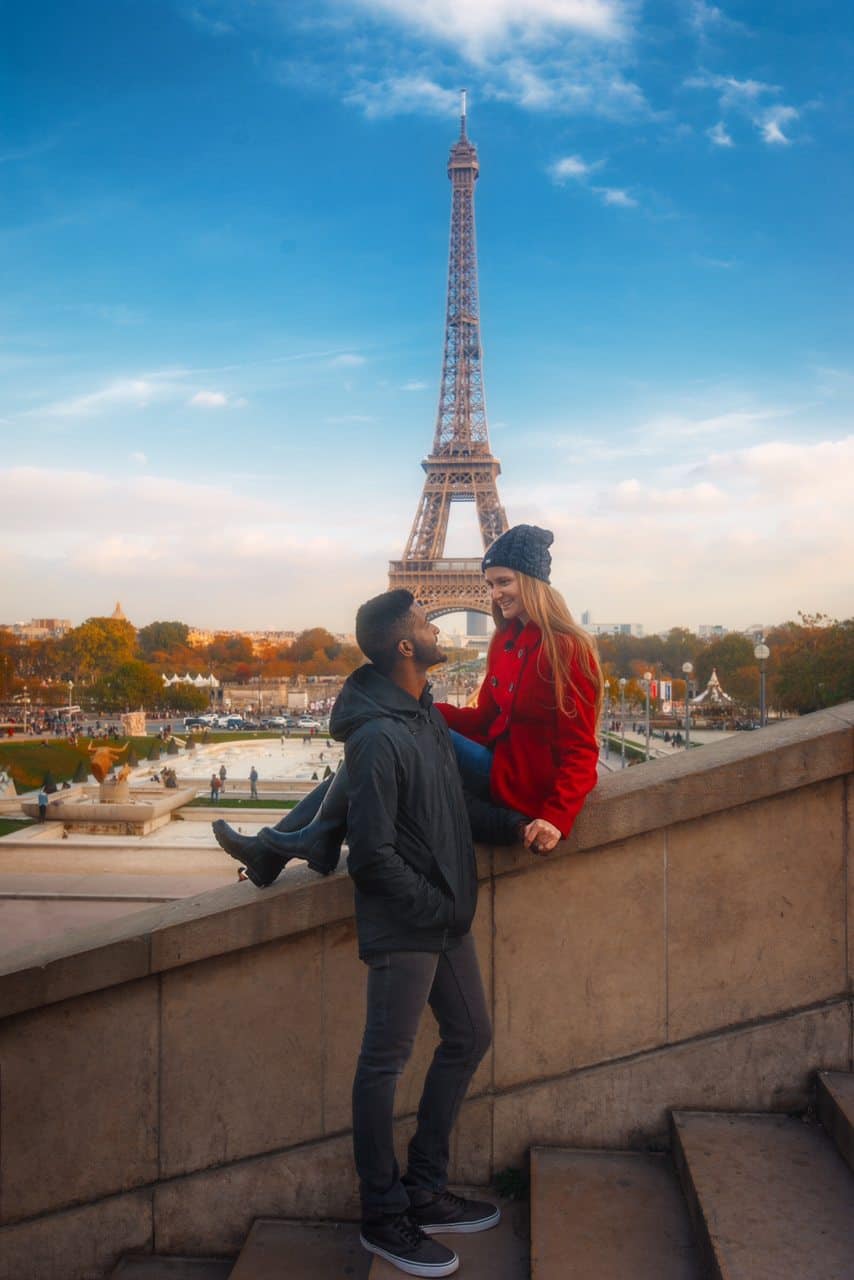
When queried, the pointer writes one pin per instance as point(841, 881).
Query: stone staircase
point(744, 1197)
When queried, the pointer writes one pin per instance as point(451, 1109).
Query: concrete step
point(501, 1253)
point(281, 1250)
point(152, 1267)
point(770, 1197)
point(608, 1215)
point(835, 1098)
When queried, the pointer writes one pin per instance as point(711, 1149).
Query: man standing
point(413, 864)
point(253, 783)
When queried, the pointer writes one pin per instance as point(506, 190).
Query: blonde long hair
point(563, 641)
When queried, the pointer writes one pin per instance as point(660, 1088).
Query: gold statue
point(102, 759)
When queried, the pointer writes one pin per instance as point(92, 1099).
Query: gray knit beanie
point(524, 548)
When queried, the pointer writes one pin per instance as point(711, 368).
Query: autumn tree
point(812, 663)
point(97, 647)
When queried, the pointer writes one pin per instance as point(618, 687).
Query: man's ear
point(405, 648)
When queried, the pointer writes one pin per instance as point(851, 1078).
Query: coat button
point(494, 682)
point(520, 655)
point(511, 687)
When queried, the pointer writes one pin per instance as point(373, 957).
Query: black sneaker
point(447, 1212)
point(405, 1246)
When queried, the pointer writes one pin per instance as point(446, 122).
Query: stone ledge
point(725, 775)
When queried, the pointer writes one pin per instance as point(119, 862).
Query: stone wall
point(166, 1078)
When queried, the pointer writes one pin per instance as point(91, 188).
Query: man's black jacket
point(410, 823)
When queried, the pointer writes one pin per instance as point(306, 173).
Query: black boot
point(303, 812)
point(319, 843)
point(262, 865)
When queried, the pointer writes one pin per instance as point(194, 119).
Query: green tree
point(162, 637)
point(813, 663)
point(132, 684)
point(184, 697)
point(728, 656)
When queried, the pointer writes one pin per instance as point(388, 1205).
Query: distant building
point(712, 631)
point(198, 638)
point(610, 628)
point(39, 628)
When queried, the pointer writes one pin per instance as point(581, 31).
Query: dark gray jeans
point(400, 984)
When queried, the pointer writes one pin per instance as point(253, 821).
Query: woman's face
point(506, 593)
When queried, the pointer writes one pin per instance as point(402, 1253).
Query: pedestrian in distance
point(216, 785)
point(222, 777)
point(253, 783)
point(42, 802)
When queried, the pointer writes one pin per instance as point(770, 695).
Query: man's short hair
point(381, 623)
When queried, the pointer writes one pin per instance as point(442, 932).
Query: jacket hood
point(368, 695)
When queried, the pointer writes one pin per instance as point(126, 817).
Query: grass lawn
point(10, 825)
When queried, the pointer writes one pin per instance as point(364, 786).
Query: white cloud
point(578, 170)
point(709, 19)
point(208, 400)
point(571, 167)
point(616, 196)
point(481, 26)
point(415, 385)
point(404, 95)
point(630, 495)
point(557, 56)
point(347, 360)
point(755, 532)
point(128, 392)
point(792, 472)
point(719, 136)
point(733, 92)
point(770, 124)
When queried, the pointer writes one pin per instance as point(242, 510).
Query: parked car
point(306, 722)
point(198, 722)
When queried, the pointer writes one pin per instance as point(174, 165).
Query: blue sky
point(223, 244)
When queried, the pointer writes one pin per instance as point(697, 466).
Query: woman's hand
point(541, 836)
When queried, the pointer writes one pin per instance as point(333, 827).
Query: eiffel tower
point(461, 466)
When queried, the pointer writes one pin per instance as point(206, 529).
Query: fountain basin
point(144, 810)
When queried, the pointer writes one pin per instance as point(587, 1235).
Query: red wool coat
point(544, 762)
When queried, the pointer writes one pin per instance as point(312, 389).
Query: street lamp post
point(70, 691)
point(622, 683)
point(26, 705)
point(647, 681)
point(687, 671)
point(761, 653)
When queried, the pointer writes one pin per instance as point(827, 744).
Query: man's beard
point(429, 655)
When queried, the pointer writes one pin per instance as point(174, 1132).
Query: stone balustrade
point(168, 1077)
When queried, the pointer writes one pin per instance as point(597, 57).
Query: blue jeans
point(400, 985)
point(474, 763)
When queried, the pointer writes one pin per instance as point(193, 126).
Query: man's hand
point(541, 836)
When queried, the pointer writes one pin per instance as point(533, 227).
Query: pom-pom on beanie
point(524, 548)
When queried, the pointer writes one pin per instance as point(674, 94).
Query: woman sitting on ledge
point(529, 744)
